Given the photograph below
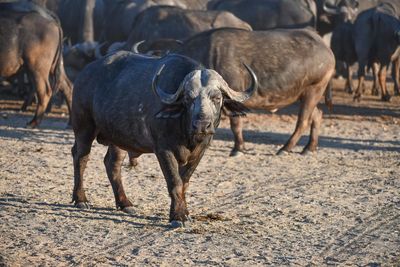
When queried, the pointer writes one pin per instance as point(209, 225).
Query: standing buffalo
point(290, 64)
point(31, 40)
point(169, 22)
point(270, 14)
point(119, 15)
point(169, 106)
point(377, 40)
point(81, 20)
point(342, 45)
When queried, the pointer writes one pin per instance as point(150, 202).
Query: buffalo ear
point(234, 108)
point(170, 112)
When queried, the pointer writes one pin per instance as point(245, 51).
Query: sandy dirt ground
point(339, 206)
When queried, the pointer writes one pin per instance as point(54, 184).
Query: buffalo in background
point(119, 15)
point(31, 42)
point(291, 65)
point(377, 40)
point(175, 23)
point(269, 14)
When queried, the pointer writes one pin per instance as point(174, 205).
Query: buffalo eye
point(216, 99)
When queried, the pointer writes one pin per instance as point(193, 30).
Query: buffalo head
point(346, 9)
point(200, 98)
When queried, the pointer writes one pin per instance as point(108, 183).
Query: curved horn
point(165, 97)
point(331, 10)
point(243, 96)
point(97, 51)
point(135, 46)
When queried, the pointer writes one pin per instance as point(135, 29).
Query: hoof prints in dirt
point(370, 230)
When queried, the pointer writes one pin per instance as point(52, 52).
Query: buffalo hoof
point(386, 98)
point(282, 152)
point(307, 152)
point(236, 153)
point(375, 92)
point(82, 205)
point(31, 125)
point(176, 224)
point(357, 98)
point(129, 210)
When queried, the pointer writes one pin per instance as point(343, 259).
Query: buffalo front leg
point(113, 162)
point(316, 119)
point(170, 168)
point(237, 129)
point(80, 153)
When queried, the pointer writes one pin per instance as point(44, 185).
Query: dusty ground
point(340, 206)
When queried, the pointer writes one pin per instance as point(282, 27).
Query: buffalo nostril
point(200, 126)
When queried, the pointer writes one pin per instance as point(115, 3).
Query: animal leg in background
point(44, 93)
point(349, 79)
point(113, 162)
point(309, 103)
point(396, 75)
point(316, 120)
point(382, 82)
point(237, 129)
point(375, 71)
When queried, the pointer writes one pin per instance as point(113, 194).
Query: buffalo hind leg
point(375, 86)
point(316, 119)
point(237, 129)
point(382, 83)
point(396, 75)
point(349, 80)
point(308, 104)
point(80, 153)
point(44, 93)
point(113, 162)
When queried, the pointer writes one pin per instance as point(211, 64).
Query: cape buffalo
point(31, 39)
point(119, 15)
point(169, 22)
point(290, 64)
point(169, 106)
point(270, 14)
point(377, 40)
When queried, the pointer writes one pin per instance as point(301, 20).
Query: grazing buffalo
point(270, 14)
point(377, 40)
point(31, 40)
point(169, 106)
point(119, 15)
point(291, 65)
point(169, 22)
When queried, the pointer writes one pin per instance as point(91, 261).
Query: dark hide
point(376, 34)
point(118, 100)
point(270, 14)
point(119, 15)
point(167, 22)
point(291, 65)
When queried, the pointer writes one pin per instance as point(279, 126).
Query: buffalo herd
point(155, 76)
